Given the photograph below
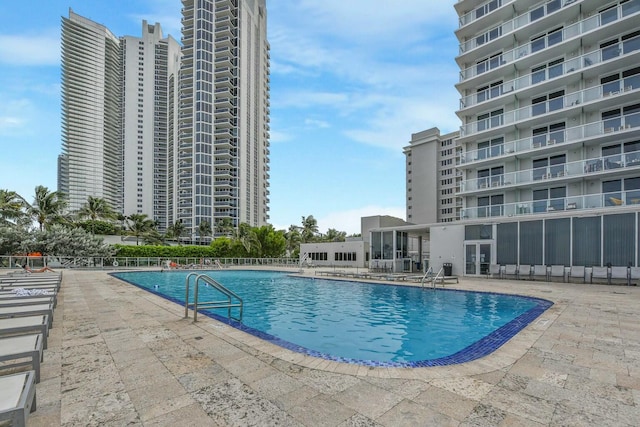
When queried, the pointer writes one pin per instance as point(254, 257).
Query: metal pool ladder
point(429, 277)
point(231, 299)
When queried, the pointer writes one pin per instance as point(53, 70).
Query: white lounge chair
point(557, 271)
point(17, 398)
point(25, 326)
point(29, 310)
point(22, 347)
point(19, 301)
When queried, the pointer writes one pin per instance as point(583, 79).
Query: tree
point(247, 237)
point(95, 209)
point(176, 230)
point(293, 238)
point(334, 235)
point(204, 229)
point(224, 226)
point(48, 207)
point(309, 229)
point(139, 225)
point(272, 243)
point(13, 208)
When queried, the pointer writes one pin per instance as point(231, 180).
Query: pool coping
point(484, 347)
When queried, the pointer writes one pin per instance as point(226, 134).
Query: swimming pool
point(362, 323)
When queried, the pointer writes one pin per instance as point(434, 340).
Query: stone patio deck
point(121, 356)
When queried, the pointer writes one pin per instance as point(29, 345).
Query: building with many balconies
point(223, 151)
point(550, 111)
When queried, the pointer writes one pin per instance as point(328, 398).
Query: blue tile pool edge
point(480, 348)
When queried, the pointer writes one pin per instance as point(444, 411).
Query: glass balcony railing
point(482, 10)
point(553, 71)
point(539, 44)
point(554, 104)
point(580, 168)
point(515, 23)
point(564, 204)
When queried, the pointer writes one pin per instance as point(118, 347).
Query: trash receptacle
point(448, 268)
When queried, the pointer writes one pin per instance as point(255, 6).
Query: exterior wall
point(333, 252)
point(431, 176)
point(91, 159)
point(151, 62)
point(223, 156)
point(446, 247)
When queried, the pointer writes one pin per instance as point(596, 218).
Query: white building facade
point(151, 66)
point(91, 159)
point(223, 151)
point(550, 110)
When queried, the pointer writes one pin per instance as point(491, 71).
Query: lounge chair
point(557, 271)
point(600, 273)
point(17, 398)
point(512, 270)
point(495, 271)
point(30, 310)
point(20, 301)
point(10, 295)
point(620, 274)
point(539, 271)
point(22, 347)
point(577, 271)
point(25, 326)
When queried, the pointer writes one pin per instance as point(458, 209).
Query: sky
point(351, 80)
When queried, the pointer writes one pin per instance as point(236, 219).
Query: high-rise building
point(223, 151)
point(150, 82)
point(432, 178)
point(91, 159)
point(550, 131)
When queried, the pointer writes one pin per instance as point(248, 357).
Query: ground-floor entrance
point(477, 258)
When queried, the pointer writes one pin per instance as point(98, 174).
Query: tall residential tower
point(91, 159)
point(223, 151)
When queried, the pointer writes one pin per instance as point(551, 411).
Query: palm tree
point(12, 207)
point(293, 239)
point(139, 224)
point(47, 207)
point(224, 226)
point(309, 229)
point(248, 238)
point(334, 235)
point(204, 229)
point(96, 208)
point(176, 230)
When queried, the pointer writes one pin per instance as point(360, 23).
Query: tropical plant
point(204, 230)
point(13, 208)
point(309, 229)
point(247, 237)
point(139, 225)
point(95, 209)
point(293, 238)
point(334, 235)
point(176, 231)
point(70, 242)
point(48, 207)
point(271, 243)
point(224, 226)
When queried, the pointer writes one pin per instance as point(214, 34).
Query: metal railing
point(232, 300)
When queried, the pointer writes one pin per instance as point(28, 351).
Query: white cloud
point(317, 124)
point(32, 50)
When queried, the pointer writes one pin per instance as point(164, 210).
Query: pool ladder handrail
point(428, 276)
point(228, 303)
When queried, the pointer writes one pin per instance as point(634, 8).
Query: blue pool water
point(364, 323)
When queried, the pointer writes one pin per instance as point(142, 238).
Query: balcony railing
point(483, 10)
point(553, 71)
point(564, 204)
point(513, 24)
point(554, 104)
point(551, 39)
point(574, 134)
point(581, 168)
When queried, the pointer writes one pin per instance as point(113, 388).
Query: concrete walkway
point(120, 356)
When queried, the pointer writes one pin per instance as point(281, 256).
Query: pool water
point(364, 323)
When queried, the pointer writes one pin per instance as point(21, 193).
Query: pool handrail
point(428, 276)
point(228, 303)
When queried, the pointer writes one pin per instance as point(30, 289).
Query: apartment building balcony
point(224, 31)
point(226, 10)
point(222, 123)
point(225, 173)
point(226, 204)
point(223, 103)
point(222, 183)
point(561, 105)
point(224, 61)
point(225, 193)
point(599, 167)
point(567, 205)
point(225, 41)
point(223, 112)
point(224, 71)
point(224, 51)
point(221, 82)
point(589, 63)
point(222, 153)
point(533, 15)
point(479, 14)
point(224, 143)
point(567, 39)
